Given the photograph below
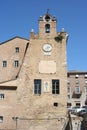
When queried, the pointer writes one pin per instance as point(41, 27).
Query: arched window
point(47, 18)
point(47, 28)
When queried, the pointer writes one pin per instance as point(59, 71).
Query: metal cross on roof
point(48, 11)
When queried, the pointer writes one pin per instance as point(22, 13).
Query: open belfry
point(33, 79)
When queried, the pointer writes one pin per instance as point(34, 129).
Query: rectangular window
point(68, 89)
point(55, 86)
point(4, 63)
point(77, 81)
point(37, 86)
point(1, 96)
point(77, 89)
point(16, 63)
point(85, 75)
point(76, 76)
point(55, 104)
point(86, 96)
point(69, 105)
point(68, 96)
point(1, 119)
point(85, 81)
point(68, 82)
point(78, 105)
point(86, 89)
point(17, 49)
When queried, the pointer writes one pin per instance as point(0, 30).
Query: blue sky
point(18, 17)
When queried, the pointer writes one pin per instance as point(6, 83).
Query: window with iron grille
point(1, 96)
point(17, 49)
point(86, 89)
point(77, 89)
point(16, 63)
point(1, 119)
point(55, 87)
point(4, 63)
point(37, 86)
point(55, 104)
point(68, 96)
point(47, 28)
point(68, 89)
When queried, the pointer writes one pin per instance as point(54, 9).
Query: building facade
point(12, 53)
point(76, 88)
point(33, 79)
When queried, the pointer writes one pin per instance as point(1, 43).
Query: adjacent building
point(33, 79)
point(76, 88)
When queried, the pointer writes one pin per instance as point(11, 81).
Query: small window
point(47, 28)
point(68, 82)
point(76, 76)
point(85, 81)
point(68, 89)
point(69, 105)
point(17, 49)
point(1, 119)
point(86, 89)
point(37, 86)
point(78, 105)
point(85, 76)
point(68, 96)
point(16, 63)
point(55, 104)
point(55, 86)
point(1, 96)
point(4, 63)
point(77, 81)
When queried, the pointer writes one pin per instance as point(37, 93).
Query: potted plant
point(59, 38)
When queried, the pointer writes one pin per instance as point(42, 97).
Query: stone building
point(76, 88)
point(33, 79)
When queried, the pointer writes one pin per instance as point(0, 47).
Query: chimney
point(32, 33)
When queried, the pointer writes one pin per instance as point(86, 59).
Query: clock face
point(47, 47)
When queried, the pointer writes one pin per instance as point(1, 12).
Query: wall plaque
point(47, 66)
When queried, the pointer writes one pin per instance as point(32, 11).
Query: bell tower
point(47, 25)
point(48, 63)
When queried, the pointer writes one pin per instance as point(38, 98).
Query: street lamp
point(15, 119)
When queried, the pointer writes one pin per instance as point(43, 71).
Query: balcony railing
point(76, 94)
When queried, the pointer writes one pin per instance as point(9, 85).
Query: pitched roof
point(12, 39)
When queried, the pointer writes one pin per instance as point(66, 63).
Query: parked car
point(82, 112)
point(85, 106)
point(73, 110)
point(80, 109)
